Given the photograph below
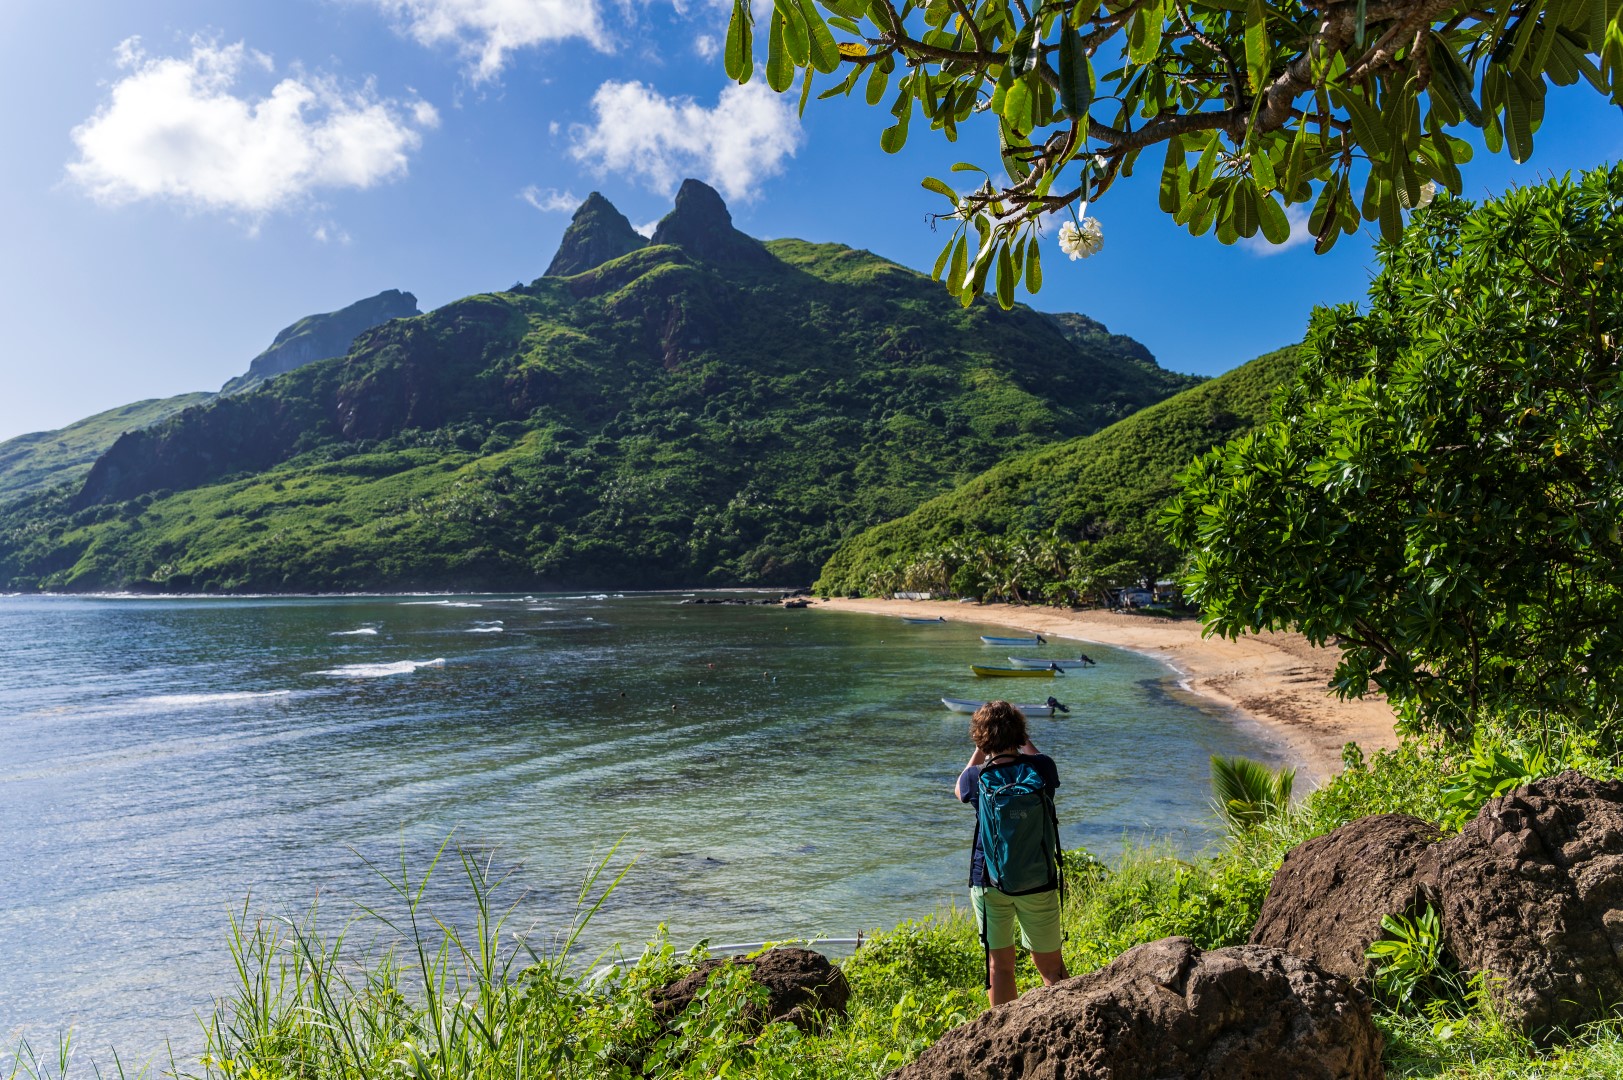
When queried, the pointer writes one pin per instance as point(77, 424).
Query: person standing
point(1014, 869)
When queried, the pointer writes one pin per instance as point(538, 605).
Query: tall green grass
point(469, 998)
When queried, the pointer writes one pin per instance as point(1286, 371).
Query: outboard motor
point(1053, 703)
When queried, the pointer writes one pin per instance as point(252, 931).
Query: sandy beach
point(1277, 680)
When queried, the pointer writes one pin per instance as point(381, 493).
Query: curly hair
point(998, 728)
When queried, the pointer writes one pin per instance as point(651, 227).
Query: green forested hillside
point(1107, 488)
point(43, 458)
point(705, 409)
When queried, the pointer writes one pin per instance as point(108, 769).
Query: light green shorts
point(1037, 915)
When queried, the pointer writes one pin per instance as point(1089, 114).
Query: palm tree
point(1247, 793)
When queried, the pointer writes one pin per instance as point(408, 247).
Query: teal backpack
point(1019, 830)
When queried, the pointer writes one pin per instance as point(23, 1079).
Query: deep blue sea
point(775, 774)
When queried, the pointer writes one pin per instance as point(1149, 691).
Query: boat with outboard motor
point(964, 705)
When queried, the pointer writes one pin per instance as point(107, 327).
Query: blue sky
point(184, 178)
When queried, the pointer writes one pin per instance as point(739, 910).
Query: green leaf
point(805, 91)
point(1276, 225)
point(1005, 278)
point(1201, 178)
point(1172, 174)
point(1367, 127)
point(1257, 60)
point(1144, 35)
point(780, 71)
point(825, 55)
point(796, 40)
point(739, 56)
point(878, 81)
point(930, 183)
point(847, 9)
point(1262, 169)
point(1034, 266)
point(942, 259)
point(1025, 52)
point(1017, 106)
point(1244, 209)
point(959, 267)
point(1076, 86)
point(893, 138)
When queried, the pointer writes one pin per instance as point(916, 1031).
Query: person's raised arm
point(975, 761)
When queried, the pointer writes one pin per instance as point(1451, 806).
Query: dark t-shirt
point(970, 781)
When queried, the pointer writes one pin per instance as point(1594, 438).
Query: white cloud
point(737, 144)
point(173, 128)
point(1259, 246)
point(484, 32)
point(706, 46)
point(646, 228)
point(550, 201)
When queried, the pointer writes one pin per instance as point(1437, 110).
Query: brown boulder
point(1168, 1011)
point(1333, 890)
point(802, 987)
point(1530, 892)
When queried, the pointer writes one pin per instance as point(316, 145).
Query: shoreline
point(1277, 681)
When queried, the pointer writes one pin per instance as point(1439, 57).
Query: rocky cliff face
point(701, 225)
point(597, 233)
point(319, 337)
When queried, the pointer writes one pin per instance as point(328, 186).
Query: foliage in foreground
point(1352, 106)
point(1438, 492)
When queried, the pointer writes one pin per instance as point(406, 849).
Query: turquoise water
point(775, 773)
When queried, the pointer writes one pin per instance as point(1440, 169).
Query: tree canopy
point(1437, 492)
point(1352, 105)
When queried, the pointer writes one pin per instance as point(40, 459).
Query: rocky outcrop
point(701, 225)
point(597, 233)
point(1165, 1010)
point(320, 337)
point(1530, 893)
point(1334, 890)
point(802, 988)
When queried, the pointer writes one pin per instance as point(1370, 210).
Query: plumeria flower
point(1080, 241)
point(1428, 192)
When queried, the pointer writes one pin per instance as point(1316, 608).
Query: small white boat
point(924, 622)
point(1040, 662)
point(1037, 639)
point(1040, 712)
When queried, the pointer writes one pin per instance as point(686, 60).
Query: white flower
point(1080, 241)
point(1428, 192)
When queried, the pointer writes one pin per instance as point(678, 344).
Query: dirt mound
point(803, 988)
point(1165, 1010)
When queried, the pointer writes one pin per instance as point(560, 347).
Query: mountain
point(597, 233)
point(1109, 484)
point(319, 337)
point(44, 459)
point(702, 409)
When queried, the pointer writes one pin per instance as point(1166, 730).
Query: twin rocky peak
point(699, 224)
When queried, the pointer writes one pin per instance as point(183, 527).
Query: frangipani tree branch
point(1350, 105)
